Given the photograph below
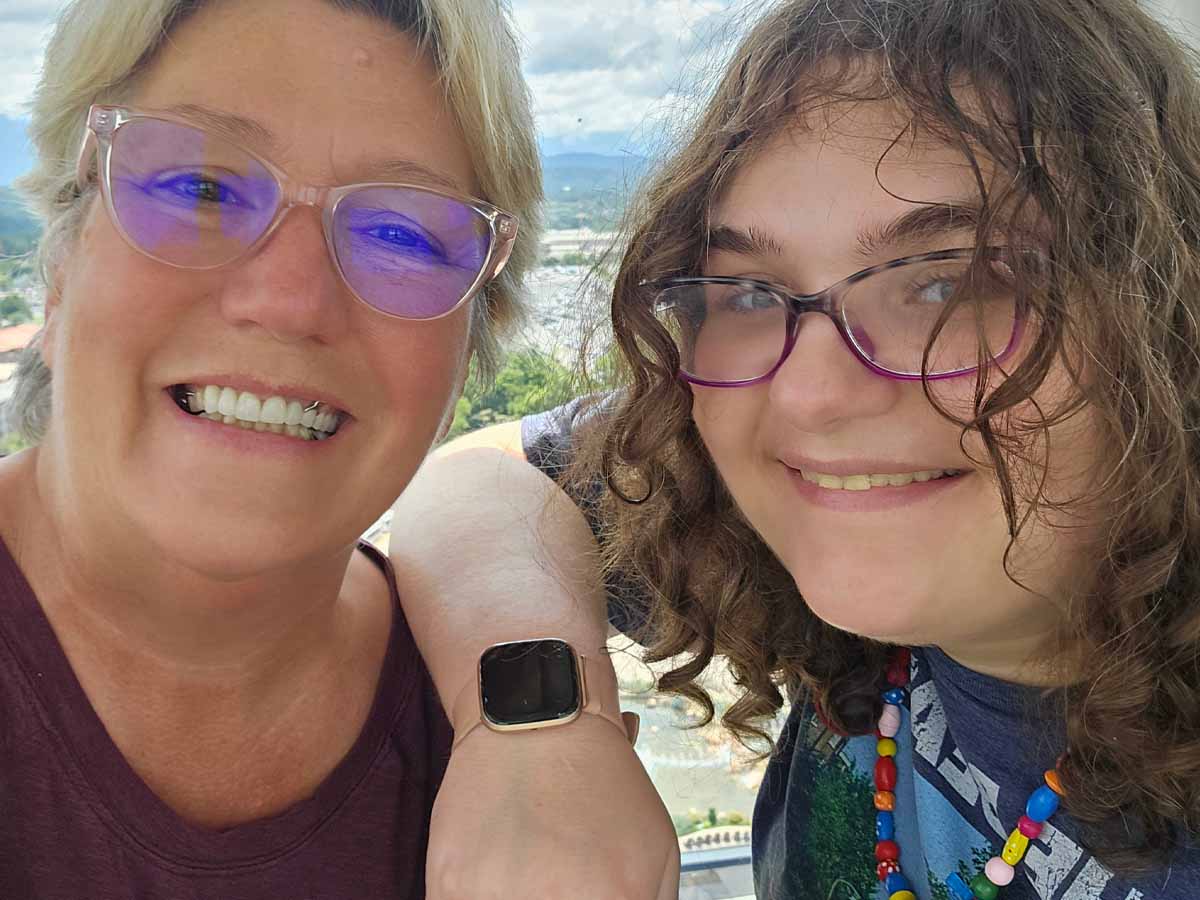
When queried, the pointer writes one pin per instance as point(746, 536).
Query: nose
point(290, 288)
point(823, 385)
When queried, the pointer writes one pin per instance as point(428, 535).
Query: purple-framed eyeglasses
point(189, 197)
point(734, 332)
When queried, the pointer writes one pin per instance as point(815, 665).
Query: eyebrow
point(250, 131)
point(925, 223)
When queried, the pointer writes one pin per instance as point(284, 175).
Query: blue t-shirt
point(967, 761)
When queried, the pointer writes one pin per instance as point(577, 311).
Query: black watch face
point(529, 681)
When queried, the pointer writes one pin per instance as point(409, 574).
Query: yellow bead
point(1015, 849)
point(886, 747)
point(903, 895)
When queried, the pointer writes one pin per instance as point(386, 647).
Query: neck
point(118, 590)
point(1020, 656)
point(232, 697)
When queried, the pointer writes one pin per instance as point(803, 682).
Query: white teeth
point(279, 415)
point(227, 405)
point(866, 482)
point(248, 407)
point(274, 411)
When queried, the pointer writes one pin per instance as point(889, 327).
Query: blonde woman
point(910, 437)
point(276, 232)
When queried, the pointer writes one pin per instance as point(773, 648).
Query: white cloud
point(593, 66)
point(24, 30)
point(626, 68)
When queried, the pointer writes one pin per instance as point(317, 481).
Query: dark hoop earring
point(620, 493)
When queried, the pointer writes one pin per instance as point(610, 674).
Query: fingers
point(633, 725)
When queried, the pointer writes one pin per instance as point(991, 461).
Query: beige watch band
point(596, 682)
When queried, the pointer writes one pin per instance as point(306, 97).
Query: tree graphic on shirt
point(937, 884)
point(839, 846)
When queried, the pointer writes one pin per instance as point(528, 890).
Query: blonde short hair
point(99, 47)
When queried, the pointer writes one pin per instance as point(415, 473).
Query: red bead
point(886, 868)
point(897, 677)
point(886, 850)
point(1028, 827)
point(897, 669)
point(885, 773)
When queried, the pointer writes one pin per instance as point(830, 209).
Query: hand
point(547, 815)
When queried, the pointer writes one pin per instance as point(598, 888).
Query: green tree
point(14, 310)
point(840, 844)
point(529, 382)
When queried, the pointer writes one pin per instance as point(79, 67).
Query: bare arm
point(488, 549)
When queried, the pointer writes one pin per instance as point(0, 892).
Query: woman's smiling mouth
point(867, 482)
point(306, 420)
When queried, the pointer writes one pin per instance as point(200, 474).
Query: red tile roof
point(17, 336)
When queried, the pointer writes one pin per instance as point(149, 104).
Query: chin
point(885, 609)
point(232, 548)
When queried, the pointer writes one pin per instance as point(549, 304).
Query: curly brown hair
point(1094, 110)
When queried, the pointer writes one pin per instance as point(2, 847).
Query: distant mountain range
point(18, 229)
point(566, 173)
point(15, 153)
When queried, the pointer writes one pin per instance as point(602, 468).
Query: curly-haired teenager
point(911, 436)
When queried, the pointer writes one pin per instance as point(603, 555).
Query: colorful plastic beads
point(984, 889)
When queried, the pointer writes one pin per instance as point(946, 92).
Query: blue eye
point(938, 290)
point(751, 300)
point(193, 189)
point(402, 239)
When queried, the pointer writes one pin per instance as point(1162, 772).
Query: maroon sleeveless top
point(77, 822)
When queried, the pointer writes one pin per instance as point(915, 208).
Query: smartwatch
point(543, 683)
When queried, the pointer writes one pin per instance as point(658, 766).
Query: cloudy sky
point(603, 72)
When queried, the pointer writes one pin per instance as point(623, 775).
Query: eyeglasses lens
point(738, 332)
point(409, 252)
point(190, 199)
point(185, 197)
point(725, 332)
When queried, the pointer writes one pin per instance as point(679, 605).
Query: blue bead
point(897, 882)
point(885, 826)
point(1043, 803)
point(895, 696)
point(958, 887)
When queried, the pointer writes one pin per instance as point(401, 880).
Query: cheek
point(729, 422)
point(420, 365)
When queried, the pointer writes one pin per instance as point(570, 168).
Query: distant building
point(562, 242)
point(12, 341)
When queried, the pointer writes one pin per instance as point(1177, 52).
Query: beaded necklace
point(999, 870)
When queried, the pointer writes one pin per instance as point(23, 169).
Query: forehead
point(843, 169)
point(334, 91)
